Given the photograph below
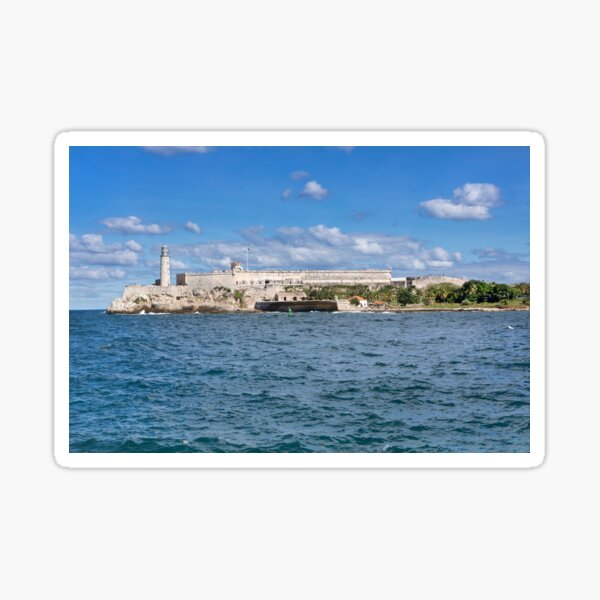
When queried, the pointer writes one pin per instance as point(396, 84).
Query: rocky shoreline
point(228, 309)
point(220, 300)
point(452, 309)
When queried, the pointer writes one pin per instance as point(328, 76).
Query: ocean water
point(314, 382)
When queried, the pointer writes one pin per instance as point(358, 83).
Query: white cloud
point(98, 273)
point(440, 263)
point(313, 189)
point(133, 246)
point(171, 150)
point(297, 175)
point(133, 225)
point(366, 246)
point(473, 201)
point(446, 209)
point(286, 194)
point(191, 226)
point(90, 249)
point(329, 235)
point(90, 242)
point(478, 194)
point(440, 254)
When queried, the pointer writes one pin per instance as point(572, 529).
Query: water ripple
point(422, 382)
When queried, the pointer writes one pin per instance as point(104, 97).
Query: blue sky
point(419, 210)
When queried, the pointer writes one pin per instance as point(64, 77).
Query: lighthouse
point(165, 266)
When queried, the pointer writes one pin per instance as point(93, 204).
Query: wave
point(271, 384)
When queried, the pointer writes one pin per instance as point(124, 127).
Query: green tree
point(240, 297)
point(405, 296)
point(442, 292)
point(522, 290)
point(477, 291)
point(501, 293)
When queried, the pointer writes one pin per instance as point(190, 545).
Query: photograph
point(304, 299)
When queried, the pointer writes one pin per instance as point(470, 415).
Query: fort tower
point(165, 267)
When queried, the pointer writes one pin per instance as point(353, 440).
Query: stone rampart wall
point(207, 281)
point(264, 278)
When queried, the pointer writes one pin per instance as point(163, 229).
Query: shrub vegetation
point(471, 292)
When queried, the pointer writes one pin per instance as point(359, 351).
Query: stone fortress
point(239, 289)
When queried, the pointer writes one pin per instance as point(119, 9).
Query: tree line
point(473, 291)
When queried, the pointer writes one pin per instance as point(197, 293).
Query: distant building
point(399, 282)
point(271, 279)
point(362, 302)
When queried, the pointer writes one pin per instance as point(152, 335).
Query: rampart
point(276, 278)
point(206, 280)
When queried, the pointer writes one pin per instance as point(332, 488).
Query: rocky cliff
point(180, 299)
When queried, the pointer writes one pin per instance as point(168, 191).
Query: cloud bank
point(319, 247)
point(90, 250)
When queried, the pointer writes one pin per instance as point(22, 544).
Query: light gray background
point(315, 64)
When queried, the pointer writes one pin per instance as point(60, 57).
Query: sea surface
point(314, 382)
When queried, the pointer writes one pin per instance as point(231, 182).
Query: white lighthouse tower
point(165, 266)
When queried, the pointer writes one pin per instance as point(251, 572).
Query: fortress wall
point(207, 281)
point(272, 278)
point(312, 277)
point(262, 278)
point(368, 277)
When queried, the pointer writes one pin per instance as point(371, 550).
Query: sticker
point(304, 299)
